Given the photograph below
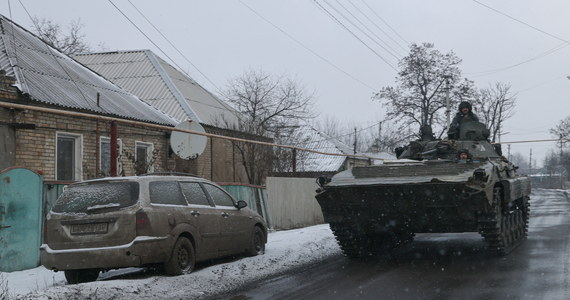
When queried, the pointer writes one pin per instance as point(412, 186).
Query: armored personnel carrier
point(435, 186)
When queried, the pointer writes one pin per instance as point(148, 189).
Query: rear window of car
point(97, 197)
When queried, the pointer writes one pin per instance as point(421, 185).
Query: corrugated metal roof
point(155, 81)
point(211, 109)
point(314, 162)
point(310, 138)
point(49, 76)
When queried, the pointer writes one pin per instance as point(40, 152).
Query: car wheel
point(80, 276)
point(182, 259)
point(257, 243)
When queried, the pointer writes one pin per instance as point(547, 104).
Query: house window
point(68, 157)
point(144, 159)
point(105, 156)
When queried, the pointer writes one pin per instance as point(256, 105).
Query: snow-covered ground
point(285, 250)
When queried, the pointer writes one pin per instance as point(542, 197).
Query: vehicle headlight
point(480, 174)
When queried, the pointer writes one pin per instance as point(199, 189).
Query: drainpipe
point(114, 153)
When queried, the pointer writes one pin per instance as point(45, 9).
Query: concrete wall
point(292, 202)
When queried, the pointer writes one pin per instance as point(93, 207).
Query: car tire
point(182, 259)
point(80, 276)
point(257, 245)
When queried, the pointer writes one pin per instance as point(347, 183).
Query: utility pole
point(509, 152)
point(561, 144)
point(448, 109)
point(530, 162)
point(354, 149)
point(354, 145)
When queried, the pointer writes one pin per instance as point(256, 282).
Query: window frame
point(120, 150)
point(78, 155)
point(182, 199)
point(206, 194)
point(149, 150)
point(205, 184)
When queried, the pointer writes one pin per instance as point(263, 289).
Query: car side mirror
point(241, 204)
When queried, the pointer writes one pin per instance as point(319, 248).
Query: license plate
point(89, 228)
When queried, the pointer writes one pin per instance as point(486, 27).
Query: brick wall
point(35, 148)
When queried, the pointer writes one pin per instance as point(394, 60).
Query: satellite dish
point(187, 145)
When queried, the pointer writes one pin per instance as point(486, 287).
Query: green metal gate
point(20, 219)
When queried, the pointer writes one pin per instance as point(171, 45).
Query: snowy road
point(445, 266)
point(307, 264)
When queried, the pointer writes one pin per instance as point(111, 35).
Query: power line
point(377, 26)
point(543, 83)
point(390, 51)
point(307, 48)
point(147, 37)
point(175, 48)
point(353, 34)
point(383, 21)
point(541, 55)
point(347, 134)
point(522, 22)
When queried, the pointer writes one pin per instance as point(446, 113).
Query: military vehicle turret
point(435, 186)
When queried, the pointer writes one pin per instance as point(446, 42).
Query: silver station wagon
point(169, 221)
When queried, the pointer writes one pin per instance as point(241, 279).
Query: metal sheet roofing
point(318, 141)
point(158, 83)
point(51, 77)
point(308, 137)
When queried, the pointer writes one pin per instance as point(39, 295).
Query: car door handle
point(225, 215)
point(195, 213)
point(4, 227)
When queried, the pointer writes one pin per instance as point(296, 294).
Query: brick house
point(67, 147)
point(153, 80)
point(56, 116)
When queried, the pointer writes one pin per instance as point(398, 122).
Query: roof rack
point(169, 174)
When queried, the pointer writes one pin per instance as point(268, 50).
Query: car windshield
point(97, 196)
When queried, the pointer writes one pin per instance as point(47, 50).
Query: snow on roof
point(311, 138)
point(158, 83)
point(382, 156)
point(51, 77)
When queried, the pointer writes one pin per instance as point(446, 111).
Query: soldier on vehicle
point(464, 155)
point(465, 113)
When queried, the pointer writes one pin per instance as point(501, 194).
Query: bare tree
point(50, 32)
point(562, 132)
point(560, 163)
point(519, 160)
point(494, 106)
point(419, 98)
point(271, 106)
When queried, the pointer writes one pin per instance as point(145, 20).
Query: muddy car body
point(170, 221)
point(429, 190)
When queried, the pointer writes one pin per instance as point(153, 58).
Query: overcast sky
point(520, 42)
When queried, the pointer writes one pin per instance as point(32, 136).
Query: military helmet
point(465, 104)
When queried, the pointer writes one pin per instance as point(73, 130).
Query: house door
point(20, 219)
